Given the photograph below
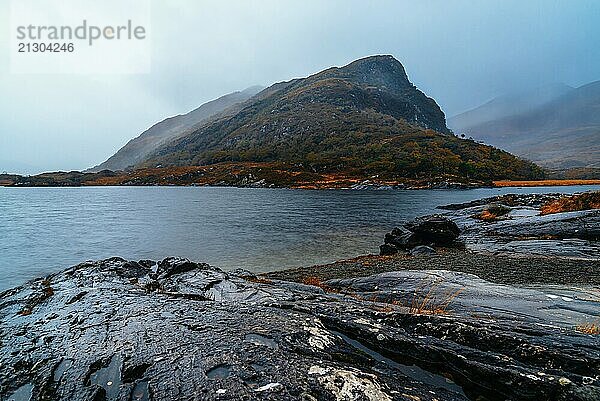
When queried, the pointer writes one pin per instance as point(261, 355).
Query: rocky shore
point(241, 175)
point(504, 225)
point(501, 269)
point(478, 313)
point(119, 330)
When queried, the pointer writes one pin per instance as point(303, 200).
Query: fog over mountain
point(136, 150)
point(558, 130)
point(508, 105)
point(461, 53)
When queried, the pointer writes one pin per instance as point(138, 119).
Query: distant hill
point(508, 105)
point(366, 118)
point(137, 149)
point(561, 133)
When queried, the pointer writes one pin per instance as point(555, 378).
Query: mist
point(461, 53)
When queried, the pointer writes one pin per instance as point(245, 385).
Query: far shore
point(545, 183)
point(264, 175)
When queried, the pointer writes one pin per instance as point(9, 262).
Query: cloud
point(461, 53)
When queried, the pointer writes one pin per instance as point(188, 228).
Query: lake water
point(44, 230)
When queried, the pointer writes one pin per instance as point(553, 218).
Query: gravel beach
point(512, 270)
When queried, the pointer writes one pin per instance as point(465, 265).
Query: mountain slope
point(508, 105)
point(563, 133)
point(366, 118)
point(140, 147)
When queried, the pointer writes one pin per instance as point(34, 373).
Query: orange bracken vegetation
point(588, 328)
point(486, 215)
point(317, 282)
point(584, 201)
point(544, 183)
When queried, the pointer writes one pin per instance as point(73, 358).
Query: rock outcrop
point(435, 230)
point(522, 230)
point(119, 330)
point(509, 224)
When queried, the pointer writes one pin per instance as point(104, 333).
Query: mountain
point(365, 119)
point(508, 105)
point(560, 134)
point(16, 167)
point(137, 149)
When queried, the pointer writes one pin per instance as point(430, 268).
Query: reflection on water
point(47, 229)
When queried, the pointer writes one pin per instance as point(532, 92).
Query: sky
point(462, 53)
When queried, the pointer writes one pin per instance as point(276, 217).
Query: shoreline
point(501, 269)
point(528, 239)
point(360, 186)
point(544, 183)
point(271, 175)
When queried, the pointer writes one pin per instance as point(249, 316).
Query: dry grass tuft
point(486, 215)
point(424, 301)
point(432, 301)
point(588, 328)
point(584, 201)
point(428, 299)
point(317, 282)
point(259, 280)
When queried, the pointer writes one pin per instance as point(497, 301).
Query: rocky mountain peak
point(382, 71)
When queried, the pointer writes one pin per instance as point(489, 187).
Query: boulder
point(436, 229)
point(401, 238)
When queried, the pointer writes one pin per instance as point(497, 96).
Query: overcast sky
point(461, 53)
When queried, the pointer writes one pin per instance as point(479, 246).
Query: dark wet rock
point(582, 225)
point(401, 238)
point(387, 249)
point(512, 225)
point(422, 250)
point(201, 333)
point(172, 266)
point(435, 229)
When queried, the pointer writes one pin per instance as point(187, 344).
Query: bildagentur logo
point(85, 31)
point(80, 36)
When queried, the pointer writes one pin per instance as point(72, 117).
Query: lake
point(44, 230)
